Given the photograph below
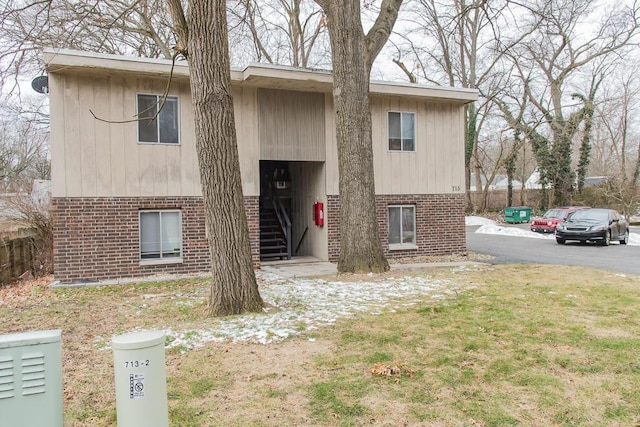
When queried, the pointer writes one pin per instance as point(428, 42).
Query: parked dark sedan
point(593, 225)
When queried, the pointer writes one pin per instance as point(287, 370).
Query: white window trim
point(161, 260)
point(403, 246)
point(158, 121)
point(415, 131)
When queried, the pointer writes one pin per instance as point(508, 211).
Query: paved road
point(510, 249)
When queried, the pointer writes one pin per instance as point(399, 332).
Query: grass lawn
point(516, 345)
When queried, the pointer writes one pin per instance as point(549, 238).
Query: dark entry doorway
point(275, 211)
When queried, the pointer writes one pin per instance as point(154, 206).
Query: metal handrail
point(283, 219)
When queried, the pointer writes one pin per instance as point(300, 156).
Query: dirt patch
point(266, 383)
point(464, 257)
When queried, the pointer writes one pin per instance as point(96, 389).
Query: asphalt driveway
point(522, 250)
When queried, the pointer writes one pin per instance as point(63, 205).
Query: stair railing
point(283, 219)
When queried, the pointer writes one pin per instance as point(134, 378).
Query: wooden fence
point(16, 255)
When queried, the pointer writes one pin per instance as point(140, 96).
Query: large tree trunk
point(360, 247)
point(234, 289)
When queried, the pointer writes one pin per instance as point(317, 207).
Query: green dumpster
point(517, 214)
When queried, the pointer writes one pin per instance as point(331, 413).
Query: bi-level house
point(126, 194)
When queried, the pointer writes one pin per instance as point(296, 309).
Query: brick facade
point(98, 238)
point(439, 224)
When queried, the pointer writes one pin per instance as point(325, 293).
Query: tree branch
point(379, 33)
point(180, 26)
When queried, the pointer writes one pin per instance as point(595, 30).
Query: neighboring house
point(533, 182)
point(590, 181)
point(126, 195)
point(500, 182)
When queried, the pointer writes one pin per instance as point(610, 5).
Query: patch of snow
point(478, 220)
point(512, 231)
point(634, 238)
point(299, 305)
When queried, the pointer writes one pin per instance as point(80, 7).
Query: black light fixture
point(40, 84)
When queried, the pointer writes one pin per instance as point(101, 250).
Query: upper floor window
point(164, 129)
point(402, 131)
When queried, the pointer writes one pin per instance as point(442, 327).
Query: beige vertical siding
point(118, 143)
point(246, 115)
point(57, 145)
point(308, 187)
point(92, 158)
point(437, 165)
point(332, 174)
point(291, 125)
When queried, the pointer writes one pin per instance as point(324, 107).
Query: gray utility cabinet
point(31, 379)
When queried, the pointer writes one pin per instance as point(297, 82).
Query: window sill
point(402, 247)
point(162, 261)
point(176, 144)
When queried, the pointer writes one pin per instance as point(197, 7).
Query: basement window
point(402, 227)
point(161, 235)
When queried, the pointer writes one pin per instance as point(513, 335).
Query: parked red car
point(547, 223)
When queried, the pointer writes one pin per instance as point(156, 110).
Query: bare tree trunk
point(353, 54)
point(360, 248)
point(234, 289)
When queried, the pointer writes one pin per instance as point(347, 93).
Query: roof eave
point(255, 75)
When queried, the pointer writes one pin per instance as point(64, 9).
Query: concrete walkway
point(309, 266)
point(297, 267)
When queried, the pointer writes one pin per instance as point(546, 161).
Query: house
point(533, 182)
point(126, 194)
point(500, 183)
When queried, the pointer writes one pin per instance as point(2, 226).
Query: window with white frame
point(402, 131)
point(402, 225)
point(163, 129)
point(160, 235)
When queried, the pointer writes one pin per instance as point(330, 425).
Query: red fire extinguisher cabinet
point(318, 213)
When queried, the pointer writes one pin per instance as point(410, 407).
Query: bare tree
point(24, 158)
point(24, 154)
point(286, 32)
point(617, 143)
point(353, 53)
point(464, 46)
point(550, 61)
point(202, 35)
point(138, 27)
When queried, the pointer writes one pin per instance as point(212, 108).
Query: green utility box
point(31, 379)
point(517, 214)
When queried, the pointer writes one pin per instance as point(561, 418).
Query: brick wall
point(440, 228)
point(98, 238)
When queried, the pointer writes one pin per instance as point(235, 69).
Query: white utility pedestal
point(141, 384)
